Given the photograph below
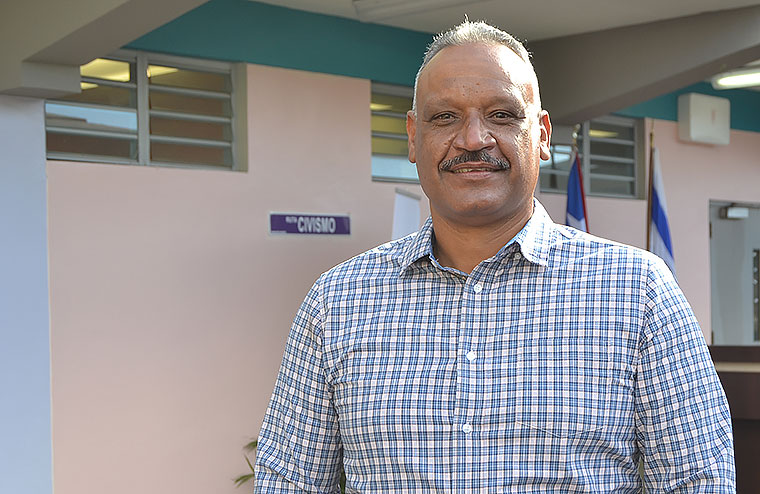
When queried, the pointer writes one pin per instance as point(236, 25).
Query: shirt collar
point(420, 246)
point(534, 240)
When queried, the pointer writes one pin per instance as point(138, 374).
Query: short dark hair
point(469, 32)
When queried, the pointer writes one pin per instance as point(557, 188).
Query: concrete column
point(25, 432)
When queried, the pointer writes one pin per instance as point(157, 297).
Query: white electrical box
point(704, 119)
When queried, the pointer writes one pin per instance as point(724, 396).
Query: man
point(493, 351)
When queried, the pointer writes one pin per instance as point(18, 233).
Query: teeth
point(465, 170)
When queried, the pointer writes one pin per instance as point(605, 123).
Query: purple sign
point(309, 224)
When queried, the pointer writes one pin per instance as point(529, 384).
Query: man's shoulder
point(557, 246)
point(601, 265)
point(385, 260)
point(568, 245)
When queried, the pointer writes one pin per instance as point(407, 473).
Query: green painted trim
point(745, 106)
point(247, 31)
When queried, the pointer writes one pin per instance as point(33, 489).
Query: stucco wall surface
point(171, 301)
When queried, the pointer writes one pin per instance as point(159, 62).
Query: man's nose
point(474, 134)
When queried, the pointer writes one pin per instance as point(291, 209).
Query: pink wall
point(170, 301)
point(693, 175)
point(623, 220)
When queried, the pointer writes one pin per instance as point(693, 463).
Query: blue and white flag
point(576, 215)
point(659, 229)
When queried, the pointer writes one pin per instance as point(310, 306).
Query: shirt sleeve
point(299, 448)
point(682, 417)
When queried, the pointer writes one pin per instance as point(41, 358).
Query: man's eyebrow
point(507, 99)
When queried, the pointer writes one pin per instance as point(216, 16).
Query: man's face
point(478, 135)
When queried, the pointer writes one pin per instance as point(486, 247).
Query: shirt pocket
point(562, 385)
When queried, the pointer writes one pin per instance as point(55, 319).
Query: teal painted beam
point(745, 106)
point(245, 31)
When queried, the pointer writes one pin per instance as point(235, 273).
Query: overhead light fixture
point(747, 77)
point(110, 70)
point(159, 70)
point(606, 134)
point(377, 10)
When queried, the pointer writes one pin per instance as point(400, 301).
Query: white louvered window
point(145, 109)
point(612, 161)
point(390, 161)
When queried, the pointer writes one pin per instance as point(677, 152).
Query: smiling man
point(477, 133)
point(493, 350)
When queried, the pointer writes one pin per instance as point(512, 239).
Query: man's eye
point(443, 117)
point(502, 115)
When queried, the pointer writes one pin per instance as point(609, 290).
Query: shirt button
point(470, 355)
point(477, 288)
point(466, 428)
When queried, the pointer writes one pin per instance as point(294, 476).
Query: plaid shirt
point(553, 367)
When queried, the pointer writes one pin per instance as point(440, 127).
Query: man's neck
point(463, 247)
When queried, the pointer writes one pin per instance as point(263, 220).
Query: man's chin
point(481, 215)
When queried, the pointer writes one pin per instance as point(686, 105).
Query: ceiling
point(533, 19)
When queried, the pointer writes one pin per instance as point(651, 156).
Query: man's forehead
point(498, 55)
point(474, 60)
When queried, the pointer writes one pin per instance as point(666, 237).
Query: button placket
point(464, 336)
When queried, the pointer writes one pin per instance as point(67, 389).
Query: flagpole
point(576, 128)
point(576, 213)
point(649, 188)
point(583, 193)
point(580, 174)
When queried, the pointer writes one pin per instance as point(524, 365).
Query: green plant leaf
point(248, 477)
point(243, 479)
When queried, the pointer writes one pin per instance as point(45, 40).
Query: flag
point(659, 229)
point(576, 215)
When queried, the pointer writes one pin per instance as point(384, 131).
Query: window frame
point(637, 144)
point(141, 60)
point(390, 90)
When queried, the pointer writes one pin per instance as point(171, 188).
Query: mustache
point(470, 156)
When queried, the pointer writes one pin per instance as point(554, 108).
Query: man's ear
point(545, 138)
point(411, 131)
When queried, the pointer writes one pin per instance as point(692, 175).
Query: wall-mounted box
point(704, 119)
point(734, 213)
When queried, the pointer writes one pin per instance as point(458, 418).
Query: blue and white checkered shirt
point(553, 367)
